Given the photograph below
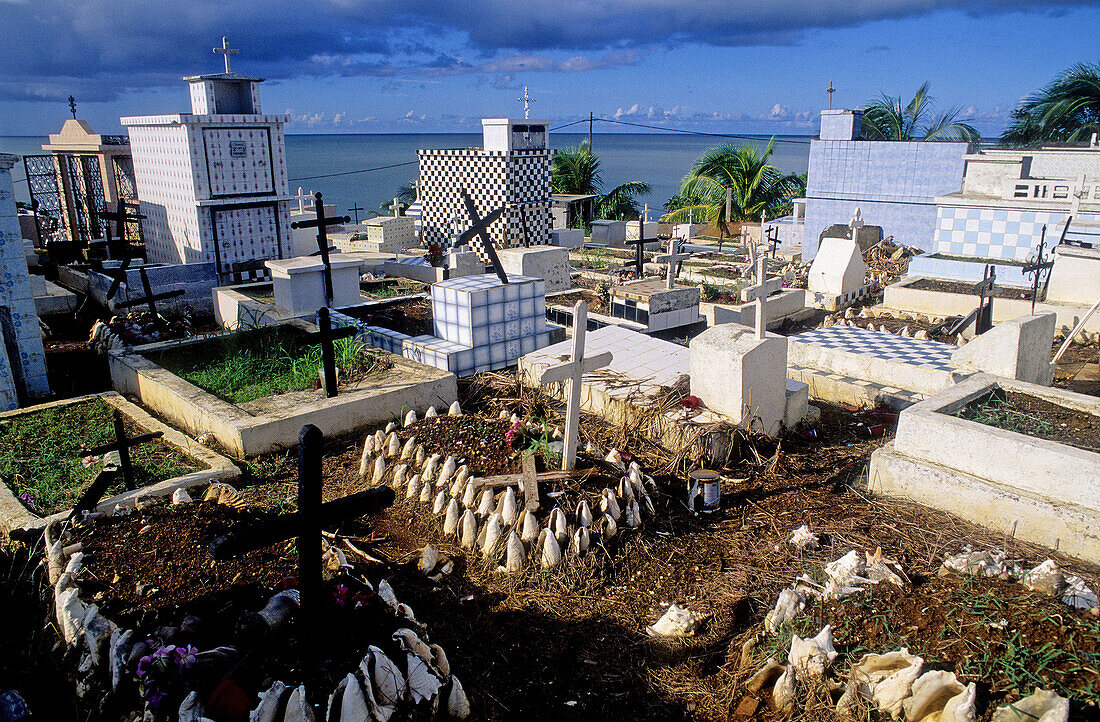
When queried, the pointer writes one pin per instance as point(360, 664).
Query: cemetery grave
point(1033, 416)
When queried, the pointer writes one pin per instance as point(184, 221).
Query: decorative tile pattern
point(1001, 234)
point(880, 344)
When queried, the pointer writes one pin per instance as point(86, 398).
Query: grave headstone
point(1017, 349)
point(321, 222)
point(299, 283)
point(567, 237)
point(609, 233)
point(838, 268)
point(549, 263)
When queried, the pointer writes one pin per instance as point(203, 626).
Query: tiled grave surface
point(651, 303)
point(882, 345)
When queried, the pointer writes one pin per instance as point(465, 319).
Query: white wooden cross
point(750, 249)
point(856, 224)
point(672, 258)
point(645, 214)
point(396, 206)
point(226, 51)
point(572, 371)
point(758, 292)
point(302, 198)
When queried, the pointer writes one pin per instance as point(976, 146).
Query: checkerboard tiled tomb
point(549, 263)
point(652, 304)
point(300, 283)
point(480, 325)
point(609, 233)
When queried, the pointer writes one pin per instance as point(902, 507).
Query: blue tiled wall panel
point(1008, 234)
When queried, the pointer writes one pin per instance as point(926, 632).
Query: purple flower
point(143, 665)
point(340, 594)
point(27, 498)
point(156, 699)
point(185, 656)
point(164, 651)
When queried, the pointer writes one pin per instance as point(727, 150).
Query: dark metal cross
point(321, 223)
point(121, 216)
point(355, 209)
point(325, 336)
point(480, 227)
point(305, 524)
point(149, 299)
point(122, 444)
point(1037, 268)
point(773, 239)
point(639, 251)
point(982, 316)
point(72, 106)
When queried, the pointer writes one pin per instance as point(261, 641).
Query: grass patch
point(995, 409)
point(40, 455)
point(251, 364)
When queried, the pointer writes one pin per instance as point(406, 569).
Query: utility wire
point(700, 132)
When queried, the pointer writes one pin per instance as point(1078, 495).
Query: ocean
point(660, 159)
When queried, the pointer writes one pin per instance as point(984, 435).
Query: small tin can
point(704, 491)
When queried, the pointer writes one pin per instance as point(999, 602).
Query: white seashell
point(1046, 578)
point(379, 470)
point(810, 657)
point(647, 504)
point(191, 709)
point(408, 451)
point(514, 419)
point(430, 467)
point(675, 622)
point(783, 691)
point(469, 496)
point(269, 704)
point(393, 444)
point(450, 521)
point(410, 417)
point(503, 414)
point(550, 552)
point(429, 557)
point(368, 446)
point(492, 536)
point(379, 441)
point(399, 477)
point(426, 493)
point(584, 514)
point(529, 527)
point(413, 644)
point(440, 661)
point(610, 527)
point(431, 413)
point(615, 459)
point(385, 593)
point(904, 332)
point(297, 708)
point(921, 334)
point(485, 503)
point(790, 603)
point(421, 455)
point(609, 504)
point(406, 612)
point(579, 542)
point(463, 474)
point(468, 528)
point(118, 652)
point(413, 490)
point(960, 341)
point(353, 703)
point(507, 507)
point(885, 679)
point(1041, 706)
point(514, 553)
point(391, 426)
point(97, 633)
point(454, 409)
point(633, 515)
point(422, 682)
point(386, 679)
point(557, 523)
point(446, 471)
point(180, 496)
point(803, 538)
point(939, 697)
point(439, 506)
point(626, 491)
point(458, 706)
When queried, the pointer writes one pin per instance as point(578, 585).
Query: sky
point(417, 66)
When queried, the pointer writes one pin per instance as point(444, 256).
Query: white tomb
point(636, 230)
point(1018, 349)
point(550, 263)
point(384, 234)
point(609, 233)
point(300, 282)
point(567, 237)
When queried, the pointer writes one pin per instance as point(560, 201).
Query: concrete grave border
point(1031, 488)
point(248, 433)
point(13, 515)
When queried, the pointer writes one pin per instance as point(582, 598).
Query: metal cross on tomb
point(226, 51)
point(526, 100)
point(673, 259)
point(640, 241)
point(480, 227)
point(982, 316)
point(773, 239)
point(572, 370)
point(326, 335)
point(321, 223)
point(1038, 266)
point(307, 523)
point(355, 209)
point(758, 292)
point(121, 216)
point(149, 299)
point(106, 478)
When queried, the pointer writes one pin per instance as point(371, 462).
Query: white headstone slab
point(838, 267)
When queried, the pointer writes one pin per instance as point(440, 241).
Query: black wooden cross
point(122, 444)
point(325, 336)
point(121, 216)
point(1037, 268)
point(480, 227)
point(982, 316)
point(355, 209)
point(305, 524)
point(321, 223)
point(639, 255)
point(773, 239)
point(149, 299)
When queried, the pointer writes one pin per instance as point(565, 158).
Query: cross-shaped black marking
point(306, 524)
point(1038, 267)
point(121, 216)
point(355, 209)
point(325, 336)
point(982, 316)
point(321, 223)
point(480, 227)
point(122, 444)
point(639, 254)
point(773, 239)
point(149, 299)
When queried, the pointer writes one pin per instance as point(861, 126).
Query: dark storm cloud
point(104, 47)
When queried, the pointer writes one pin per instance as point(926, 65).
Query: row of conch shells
point(918, 334)
point(1046, 577)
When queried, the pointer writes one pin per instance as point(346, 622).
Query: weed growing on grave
point(250, 364)
point(996, 410)
point(40, 455)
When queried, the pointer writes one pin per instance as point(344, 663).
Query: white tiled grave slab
point(889, 346)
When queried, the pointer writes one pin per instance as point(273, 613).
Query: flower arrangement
point(434, 256)
point(160, 674)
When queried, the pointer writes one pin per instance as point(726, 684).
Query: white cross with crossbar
point(226, 51)
point(758, 292)
point(672, 258)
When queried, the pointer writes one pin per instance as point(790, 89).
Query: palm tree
point(886, 119)
point(576, 170)
point(1066, 109)
point(756, 186)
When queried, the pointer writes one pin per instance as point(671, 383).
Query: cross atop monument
point(572, 371)
point(526, 100)
point(226, 51)
point(830, 90)
point(645, 214)
point(856, 224)
point(758, 292)
point(321, 223)
point(72, 106)
point(302, 198)
point(673, 259)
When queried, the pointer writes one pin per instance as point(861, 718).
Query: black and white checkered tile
point(880, 344)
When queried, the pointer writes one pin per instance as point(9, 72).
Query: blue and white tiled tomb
point(480, 324)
